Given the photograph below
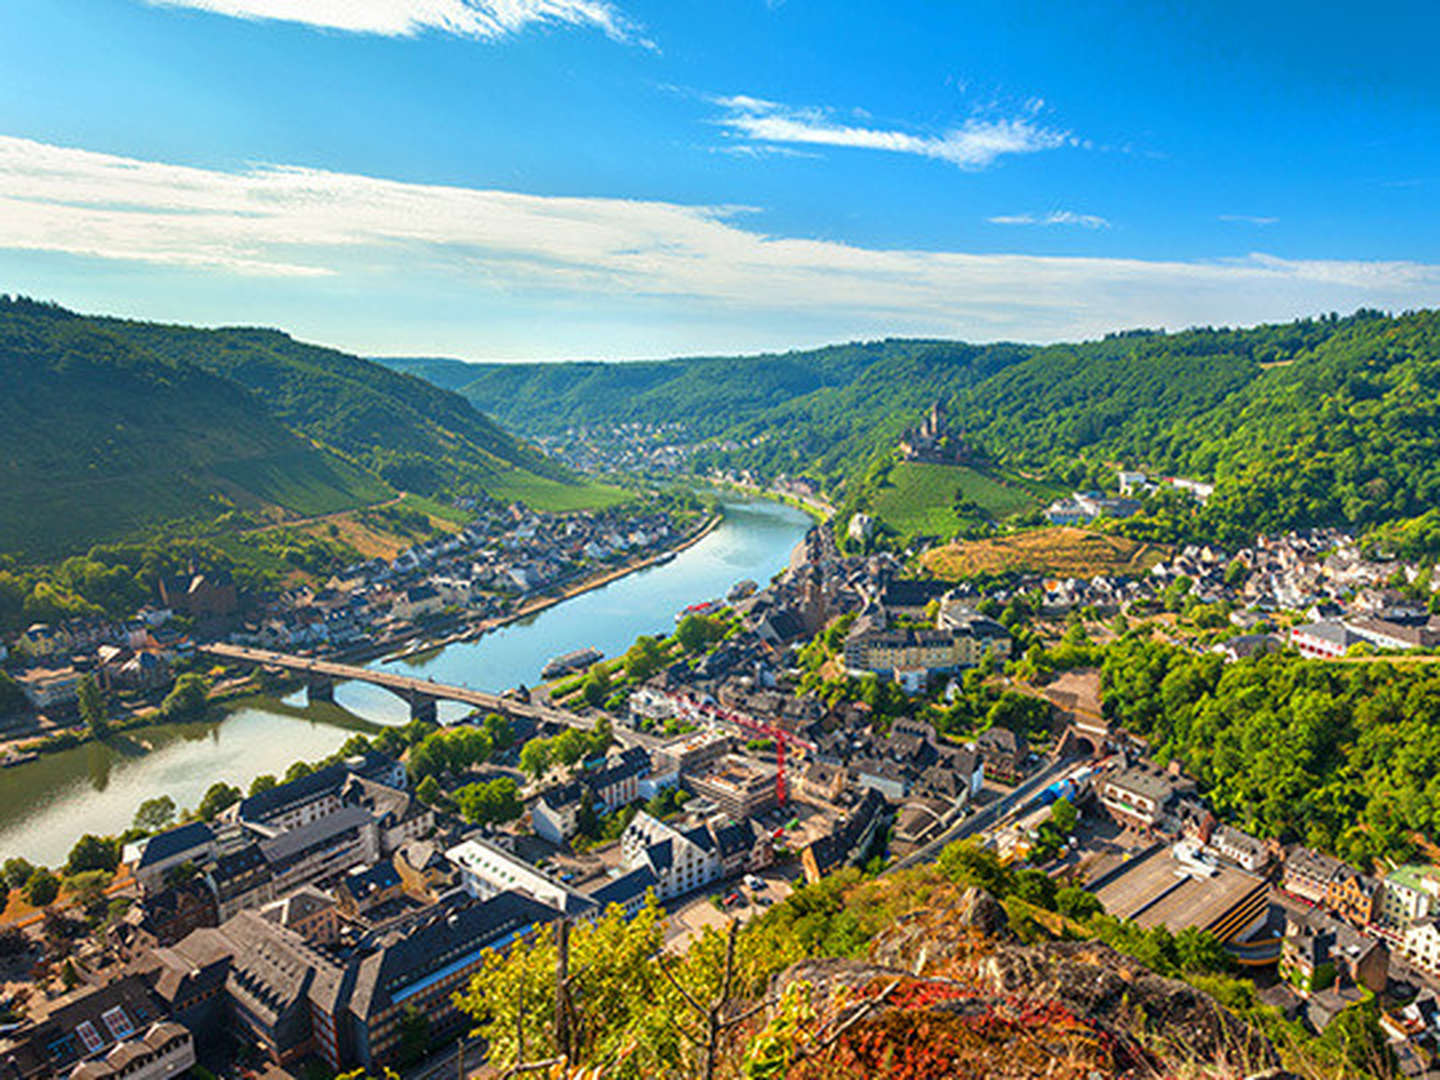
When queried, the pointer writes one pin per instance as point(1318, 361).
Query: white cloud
point(976, 144)
point(1248, 219)
point(682, 265)
point(1055, 217)
point(484, 19)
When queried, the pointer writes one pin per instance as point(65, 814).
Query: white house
point(681, 861)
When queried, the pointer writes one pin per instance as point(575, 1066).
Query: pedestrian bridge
point(421, 694)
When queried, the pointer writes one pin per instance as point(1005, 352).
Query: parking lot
point(690, 915)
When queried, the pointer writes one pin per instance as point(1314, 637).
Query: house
point(1323, 640)
point(851, 839)
point(418, 602)
point(1318, 952)
point(309, 912)
point(153, 858)
point(1308, 874)
point(555, 814)
point(1005, 753)
point(1411, 892)
point(681, 861)
point(1239, 847)
point(1354, 897)
point(616, 783)
point(398, 815)
point(740, 787)
point(1135, 797)
point(99, 1033)
point(366, 888)
point(877, 774)
point(49, 688)
point(1422, 943)
point(165, 916)
point(486, 871)
point(628, 891)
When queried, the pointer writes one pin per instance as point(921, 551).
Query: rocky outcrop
point(949, 992)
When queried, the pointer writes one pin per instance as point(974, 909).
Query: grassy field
point(919, 498)
point(540, 493)
point(1063, 552)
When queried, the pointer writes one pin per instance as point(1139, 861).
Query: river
point(47, 805)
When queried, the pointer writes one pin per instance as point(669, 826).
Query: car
point(732, 899)
point(754, 881)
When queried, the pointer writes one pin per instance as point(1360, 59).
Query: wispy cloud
point(1248, 219)
point(976, 144)
point(482, 19)
point(1054, 217)
point(684, 264)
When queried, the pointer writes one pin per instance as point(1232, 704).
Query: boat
point(570, 662)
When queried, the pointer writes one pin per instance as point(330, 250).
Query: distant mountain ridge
point(1319, 421)
point(114, 428)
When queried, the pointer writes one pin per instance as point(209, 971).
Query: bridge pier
point(422, 707)
point(319, 689)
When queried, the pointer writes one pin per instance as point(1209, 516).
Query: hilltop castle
point(932, 441)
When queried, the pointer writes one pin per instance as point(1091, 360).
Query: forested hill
point(113, 429)
point(1326, 420)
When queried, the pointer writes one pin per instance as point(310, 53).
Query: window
point(118, 1023)
point(89, 1036)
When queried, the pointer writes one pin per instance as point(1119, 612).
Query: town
point(778, 736)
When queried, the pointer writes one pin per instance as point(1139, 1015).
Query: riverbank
point(542, 603)
point(818, 509)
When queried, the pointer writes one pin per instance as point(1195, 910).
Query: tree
point(696, 632)
point(263, 782)
point(1076, 903)
point(42, 888)
point(16, 872)
point(1064, 816)
point(90, 700)
point(570, 747)
point(428, 791)
point(1037, 887)
point(217, 797)
point(490, 803)
point(535, 757)
point(965, 862)
point(596, 687)
point(298, 771)
point(93, 853)
point(644, 658)
point(499, 731)
point(188, 700)
point(156, 813)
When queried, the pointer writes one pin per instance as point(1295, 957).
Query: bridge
point(421, 694)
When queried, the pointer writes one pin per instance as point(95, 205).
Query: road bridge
point(421, 694)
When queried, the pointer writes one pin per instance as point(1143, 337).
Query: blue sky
point(502, 179)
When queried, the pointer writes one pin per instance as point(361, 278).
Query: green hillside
point(917, 498)
point(104, 439)
point(411, 433)
point(115, 429)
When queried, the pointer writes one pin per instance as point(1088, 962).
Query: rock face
point(949, 992)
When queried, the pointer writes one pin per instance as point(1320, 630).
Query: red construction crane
point(691, 709)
